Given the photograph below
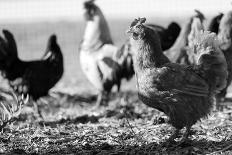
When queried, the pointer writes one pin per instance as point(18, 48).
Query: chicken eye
point(211, 52)
point(138, 26)
point(135, 34)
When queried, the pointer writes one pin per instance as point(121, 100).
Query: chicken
point(177, 53)
point(214, 23)
point(33, 78)
point(207, 58)
point(168, 35)
point(225, 36)
point(175, 89)
point(103, 63)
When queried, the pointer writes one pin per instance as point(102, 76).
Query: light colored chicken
point(103, 63)
point(177, 53)
point(206, 56)
point(225, 37)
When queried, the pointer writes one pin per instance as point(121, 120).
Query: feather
point(214, 23)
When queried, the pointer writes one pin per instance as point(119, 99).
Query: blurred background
point(33, 21)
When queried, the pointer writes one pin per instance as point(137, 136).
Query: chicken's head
point(90, 9)
point(137, 29)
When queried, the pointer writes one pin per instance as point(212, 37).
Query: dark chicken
point(125, 60)
point(214, 23)
point(103, 63)
point(167, 36)
point(172, 88)
point(35, 78)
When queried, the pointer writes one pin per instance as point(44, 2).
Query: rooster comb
point(138, 21)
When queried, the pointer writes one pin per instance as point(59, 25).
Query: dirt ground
point(126, 126)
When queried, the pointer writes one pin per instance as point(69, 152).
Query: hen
point(103, 63)
point(214, 23)
point(175, 89)
point(33, 78)
point(207, 58)
point(225, 37)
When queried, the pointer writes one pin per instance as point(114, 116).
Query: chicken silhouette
point(214, 23)
point(103, 63)
point(167, 35)
point(33, 78)
point(225, 36)
point(175, 89)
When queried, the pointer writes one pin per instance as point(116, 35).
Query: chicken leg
point(171, 139)
point(184, 137)
point(37, 110)
point(102, 99)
